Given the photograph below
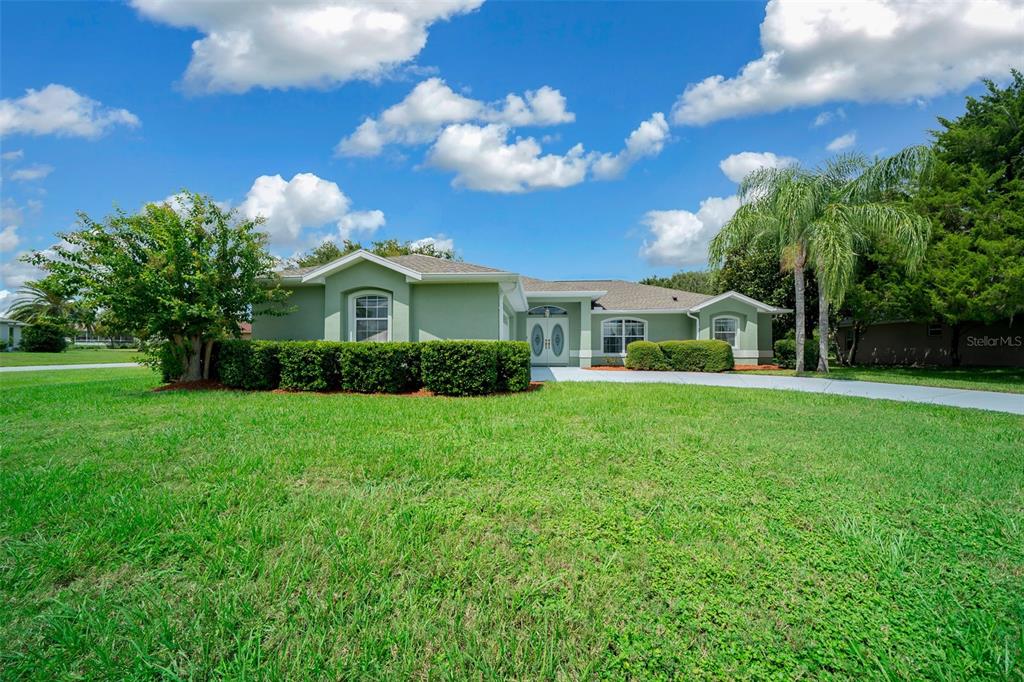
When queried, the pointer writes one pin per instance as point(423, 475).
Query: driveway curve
point(1011, 403)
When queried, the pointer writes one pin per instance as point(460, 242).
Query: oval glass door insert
point(557, 340)
point(537, 340)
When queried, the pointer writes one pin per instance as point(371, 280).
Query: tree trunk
point(193, 366)
point(954, 346)
point(798, 286)
point(207, 352)
point(822, 326)
point(857, 329)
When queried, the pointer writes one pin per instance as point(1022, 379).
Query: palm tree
point(822, 217)
point(41, 300)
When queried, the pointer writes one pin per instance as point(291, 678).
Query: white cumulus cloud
point(647, 140)
point(9, 238)
point(842, 142)
point(826, 117)
point(291, 207)
point(868, 50)
point(34, 172)
point(432, 104)
point(681, 237)
point(299, 43)
point(13, 155)
point(738, 166)
point(440, 242)
point(59, 110)
point(483, 159)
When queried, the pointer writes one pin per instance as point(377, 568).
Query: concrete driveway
point(1012, 403)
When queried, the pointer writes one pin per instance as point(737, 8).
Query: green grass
point(580, 531)
point(1006, 379)
point(74, 356)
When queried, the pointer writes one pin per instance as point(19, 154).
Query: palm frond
point(906, 230)
point(831, 252)
point(901, 173)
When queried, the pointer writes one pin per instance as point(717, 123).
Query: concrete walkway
point(1012, 403)
point(95, 365)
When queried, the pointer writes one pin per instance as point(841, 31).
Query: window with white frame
point(371, 317)
point(616, 335)
point(726, 329)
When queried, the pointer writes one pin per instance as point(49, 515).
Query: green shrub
point(3, 345)
point(460, 367)
point(785, 354)
point(513, 365)
point(249, 365)
point(645, 355)
point(379, 367)
point(698, 355)
point(44, 337)
point(309, 365)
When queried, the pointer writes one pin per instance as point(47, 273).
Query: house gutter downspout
point(696, 324)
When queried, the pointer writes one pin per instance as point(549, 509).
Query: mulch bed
point(211, 385)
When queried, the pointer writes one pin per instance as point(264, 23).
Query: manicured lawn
point(1008, 379)
point(74, 356)
point(576, 532)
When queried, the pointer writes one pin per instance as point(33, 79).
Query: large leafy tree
point(183, 278)
point(697, 281)
point(820, 218)
point(330, 251)
point(974, 269)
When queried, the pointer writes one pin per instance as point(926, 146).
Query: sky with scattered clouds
point(553, 139)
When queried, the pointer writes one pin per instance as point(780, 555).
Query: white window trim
point(736, 343)
point(623, 337)
point(352, 310)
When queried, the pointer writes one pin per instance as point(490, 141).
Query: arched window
point(370, 316)
point(617, 334)
point(725, 328)
point(548, 311)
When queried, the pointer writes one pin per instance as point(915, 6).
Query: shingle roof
point(429, 265)
point(622, 295)
point(418, 262)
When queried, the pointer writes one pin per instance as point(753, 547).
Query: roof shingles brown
point(620, 294)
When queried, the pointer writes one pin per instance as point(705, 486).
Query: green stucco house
point(365, 297)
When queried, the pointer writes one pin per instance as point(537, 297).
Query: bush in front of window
point(459, 367)
point(309, 365)
point(249, 365)
point(513, 366)
point(785, 354)
point(698, 355)
point(379, 367)
point(44, 337)
point(645, 355)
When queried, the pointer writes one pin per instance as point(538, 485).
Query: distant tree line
point(851, 223)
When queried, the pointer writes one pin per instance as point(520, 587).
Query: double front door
point(548, 340)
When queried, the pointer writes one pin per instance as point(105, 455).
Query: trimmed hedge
point(460, 367)
point(44, 337)
point(698, 355)
point(379, 367)
point(309, 365)
point(445, 367)
point(513, 366)
point(250, 365)
point(785, 354)
point(645, 355)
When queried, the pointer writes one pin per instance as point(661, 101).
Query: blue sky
point(133, 115)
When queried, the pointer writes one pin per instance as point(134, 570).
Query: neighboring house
point(365, 297)
point(903, 342)
point(10, 331)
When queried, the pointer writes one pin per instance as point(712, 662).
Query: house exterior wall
point(908, 343)
point(363, 276)
point(752, 344)
point(455, 311)
point(305, 323)
point(660, 327)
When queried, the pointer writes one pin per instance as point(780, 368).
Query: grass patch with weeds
point(579, 531)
